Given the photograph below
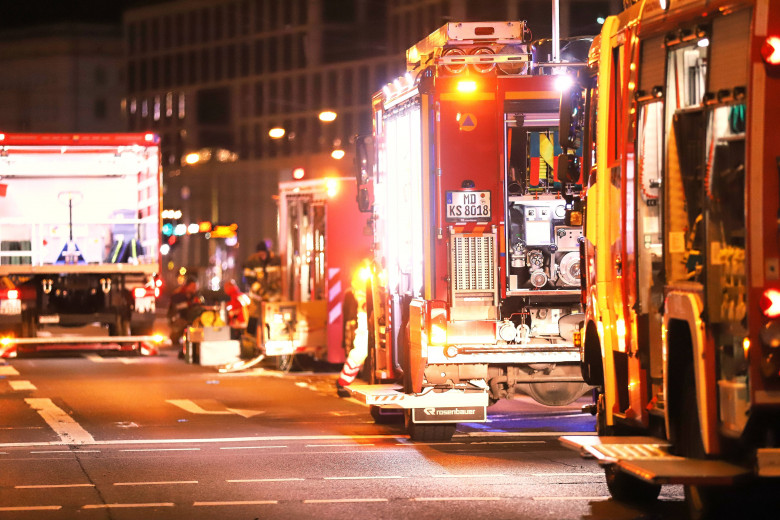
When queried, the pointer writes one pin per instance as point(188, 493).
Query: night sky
point(25, 13)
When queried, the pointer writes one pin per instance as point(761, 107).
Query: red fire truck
point(682, 258)
point(474, 294)
point(79, 242)
point(322, 241)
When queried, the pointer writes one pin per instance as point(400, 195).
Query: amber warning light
point(770, 51)
point(770, 303)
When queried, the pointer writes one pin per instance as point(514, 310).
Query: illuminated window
point(182, 105)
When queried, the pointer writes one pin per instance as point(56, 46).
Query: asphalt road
point(153, 437)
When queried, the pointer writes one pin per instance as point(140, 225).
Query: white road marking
point(163, 449)
point(47, 486)
point(22, 385)
point(447, 499)
point(190, 406)
point(100, 359)
point(119, 442)
point(473, 475)
point(63, 424)
point(509, 442)
point(242, 481)
point(53, 451)
point(519, 434)
point(583, 474)
point(336, 445)
point(365, 477)
point(237, 503)
point(31, 508)
point(250, 447)
point(571, 498)
point(110, 506)
point(343, 500)
point(8, 370)
point(163, 483)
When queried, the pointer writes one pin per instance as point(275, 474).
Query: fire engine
point(79, 241)
point(322, 241)
point(682, 260)
point(474, 294)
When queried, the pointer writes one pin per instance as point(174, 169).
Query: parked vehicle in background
point(79, 242)
point(321, 244)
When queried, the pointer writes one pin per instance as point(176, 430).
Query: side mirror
point(571, 112)
point(364, 167)
point(568, 168)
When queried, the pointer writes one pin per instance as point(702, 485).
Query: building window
point(156, 108)
point(259, 58)
point(192, 72)
point(218, 21)
point(154, 64)
point(219, 63)
point(144, 108)
point(133, 105)
point(259, 98)
point(179, 77)
point(192, 28)
point(169, 104)
point(205, 65)
point(182, 105)
point(231, 61)
point(231, 20)
point(179, 28)
point(244, 60)
point(131, 87)
point(167, 71)
point(100, 110)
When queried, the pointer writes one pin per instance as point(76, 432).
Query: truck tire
point(385, 416)
point(627, 488)
point(440, 432)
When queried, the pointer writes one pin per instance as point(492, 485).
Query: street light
point(192, 158)
point(327, 116)
point(276, 132)
point(338, 154)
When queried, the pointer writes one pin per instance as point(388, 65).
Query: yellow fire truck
point(475, 289)
point(681, 257)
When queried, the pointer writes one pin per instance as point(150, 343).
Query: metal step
point(392, 396)
point(648, 459)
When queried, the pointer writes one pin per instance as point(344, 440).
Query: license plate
point(10, 306)
point(49, 318)
point(468, 206)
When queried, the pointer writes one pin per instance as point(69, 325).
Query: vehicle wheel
point(284, 363)
point(702, 501)
point(626, 488)
point(556, 394)
point(428, 432)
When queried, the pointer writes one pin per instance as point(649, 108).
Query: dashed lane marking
point(22, 385)
point(249, 480)
point(448, 499)
point(162, 483)
point(343, 500)
point(237, 503)
point(69, 431)
point(52, 486)
point(473, 475)
point(8, 370)
point(31, 508)
point(250, 447)
point(572, 498)
point(119, 506)
point(163, 449)
point(376, 477)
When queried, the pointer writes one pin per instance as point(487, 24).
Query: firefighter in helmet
point(355, 329)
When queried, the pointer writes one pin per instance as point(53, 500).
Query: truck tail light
point(466, 86)
point(140, 292)
point(12, 294)
point(770, 303)
point(770, 50)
